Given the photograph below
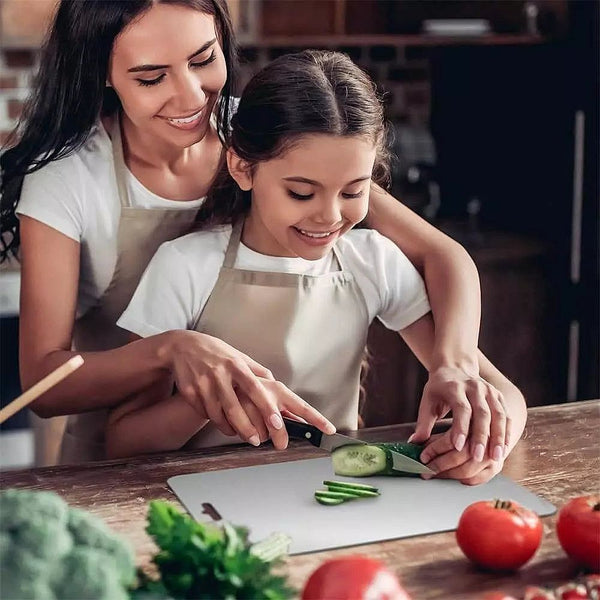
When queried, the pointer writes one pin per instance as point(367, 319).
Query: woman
point(118, 148)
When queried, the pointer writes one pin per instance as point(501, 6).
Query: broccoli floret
point(49, 551)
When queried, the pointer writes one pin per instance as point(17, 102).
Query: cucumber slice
point(354, 492)
point(359, 460)
point(352, 486)
point(363, 460)
point(328, 501)
point(335, 495)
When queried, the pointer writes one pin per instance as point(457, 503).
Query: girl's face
point(303, 201)
point(168, 69)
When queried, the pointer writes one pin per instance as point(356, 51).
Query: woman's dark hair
point(70, 92)
point(297, 94)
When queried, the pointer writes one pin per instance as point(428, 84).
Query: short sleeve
point(164, 298)
point(49, 197)
point(404, 297)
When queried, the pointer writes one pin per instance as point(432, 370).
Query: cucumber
point(328, 501)
point(364, 460)
point(335, 495)
point(353, 491)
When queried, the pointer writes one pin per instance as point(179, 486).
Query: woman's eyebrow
point(305, 180)
point(200, 50)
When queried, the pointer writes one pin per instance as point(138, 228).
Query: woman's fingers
point(477, 391)
point(255, 417)
point(498, 424)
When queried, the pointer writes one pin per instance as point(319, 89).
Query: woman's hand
point(237, 394)
point(448, 463)
point(478, 410)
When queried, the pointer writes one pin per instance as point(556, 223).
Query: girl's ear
point(240, 170)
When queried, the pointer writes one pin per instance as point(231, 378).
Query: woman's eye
point(148, 82)
point(203, 63)
point(350, 196)
point(297, 196)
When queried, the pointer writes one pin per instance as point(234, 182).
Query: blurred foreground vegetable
point(50, 551)
point(353, 578)
point(204, 561)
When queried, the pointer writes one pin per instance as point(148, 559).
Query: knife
point(328, 442)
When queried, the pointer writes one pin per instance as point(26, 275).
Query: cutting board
point(279, 497)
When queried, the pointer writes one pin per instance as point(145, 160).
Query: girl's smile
point(304, 200)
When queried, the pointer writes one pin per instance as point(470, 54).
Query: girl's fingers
point(255, 417)
point(498, 424)
point(426, 419)
point(296, 405)
point(462, 413)
point(448, 461)
point(481, 418)
point(440, 444)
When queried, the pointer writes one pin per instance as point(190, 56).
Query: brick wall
point(402, 73)
point(16, 71)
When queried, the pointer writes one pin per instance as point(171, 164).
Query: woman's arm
point(469, 464)
point(208, 372)
point(455, 297)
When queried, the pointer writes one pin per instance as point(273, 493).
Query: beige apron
point(141, 231)
point(310, 331)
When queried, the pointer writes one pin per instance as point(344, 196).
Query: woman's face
point(168, 69)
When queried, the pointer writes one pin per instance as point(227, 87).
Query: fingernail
point(479, 452)
point(498, 453)
point(411, 438)
point(254, 440)
point(426, 476)
point(330, 429)
point(459, 444)
point(424, 458)
point(276, 421)
point(505, 451)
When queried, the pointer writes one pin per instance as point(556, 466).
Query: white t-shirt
point(78, 196)
point(180, 278)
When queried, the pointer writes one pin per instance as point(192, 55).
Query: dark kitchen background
point(494, 111)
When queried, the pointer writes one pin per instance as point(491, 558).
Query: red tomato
point(538, 593)
point(353, 578)
point(578, 530)
point(499, 534)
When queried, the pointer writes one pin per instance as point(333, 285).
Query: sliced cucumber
point(364, 460)
point(355, 492)
point(328, 501)
point(351, 485)
point(335, 495)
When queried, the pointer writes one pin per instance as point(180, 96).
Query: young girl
point(279, 272)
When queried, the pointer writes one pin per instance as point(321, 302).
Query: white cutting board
point(279, 497)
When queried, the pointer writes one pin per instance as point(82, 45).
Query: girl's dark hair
point(297, 94)
point(70, 92)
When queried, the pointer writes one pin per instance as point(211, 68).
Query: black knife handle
point(304, 431)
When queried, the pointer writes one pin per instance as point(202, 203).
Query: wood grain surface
point(558, 458)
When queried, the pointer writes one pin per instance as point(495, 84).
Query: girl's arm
point(153, 421)
point(470, 465)
point(454, 294)
point(205, 368)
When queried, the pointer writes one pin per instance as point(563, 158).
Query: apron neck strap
point(234, 242)
point(119, 161)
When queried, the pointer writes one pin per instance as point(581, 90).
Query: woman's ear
point(240, 170)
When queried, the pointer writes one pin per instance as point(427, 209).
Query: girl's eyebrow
point(200, 50)
point(305, 180)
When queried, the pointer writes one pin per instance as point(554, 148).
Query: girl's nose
point(328, 212)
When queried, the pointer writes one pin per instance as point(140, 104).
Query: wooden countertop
point(558, 458)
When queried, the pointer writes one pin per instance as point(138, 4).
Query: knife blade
point(316, 437)
point(327, 442)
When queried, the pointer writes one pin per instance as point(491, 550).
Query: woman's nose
point(190, 94)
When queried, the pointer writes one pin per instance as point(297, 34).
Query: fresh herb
point(203, 561)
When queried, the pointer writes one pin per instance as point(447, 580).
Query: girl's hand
point(211, 373)
point(448, 463)
point(478, 413)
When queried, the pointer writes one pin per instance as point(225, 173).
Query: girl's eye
point(203, 63)
point(297, 196)
point(148, 82)
point(350, 196)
